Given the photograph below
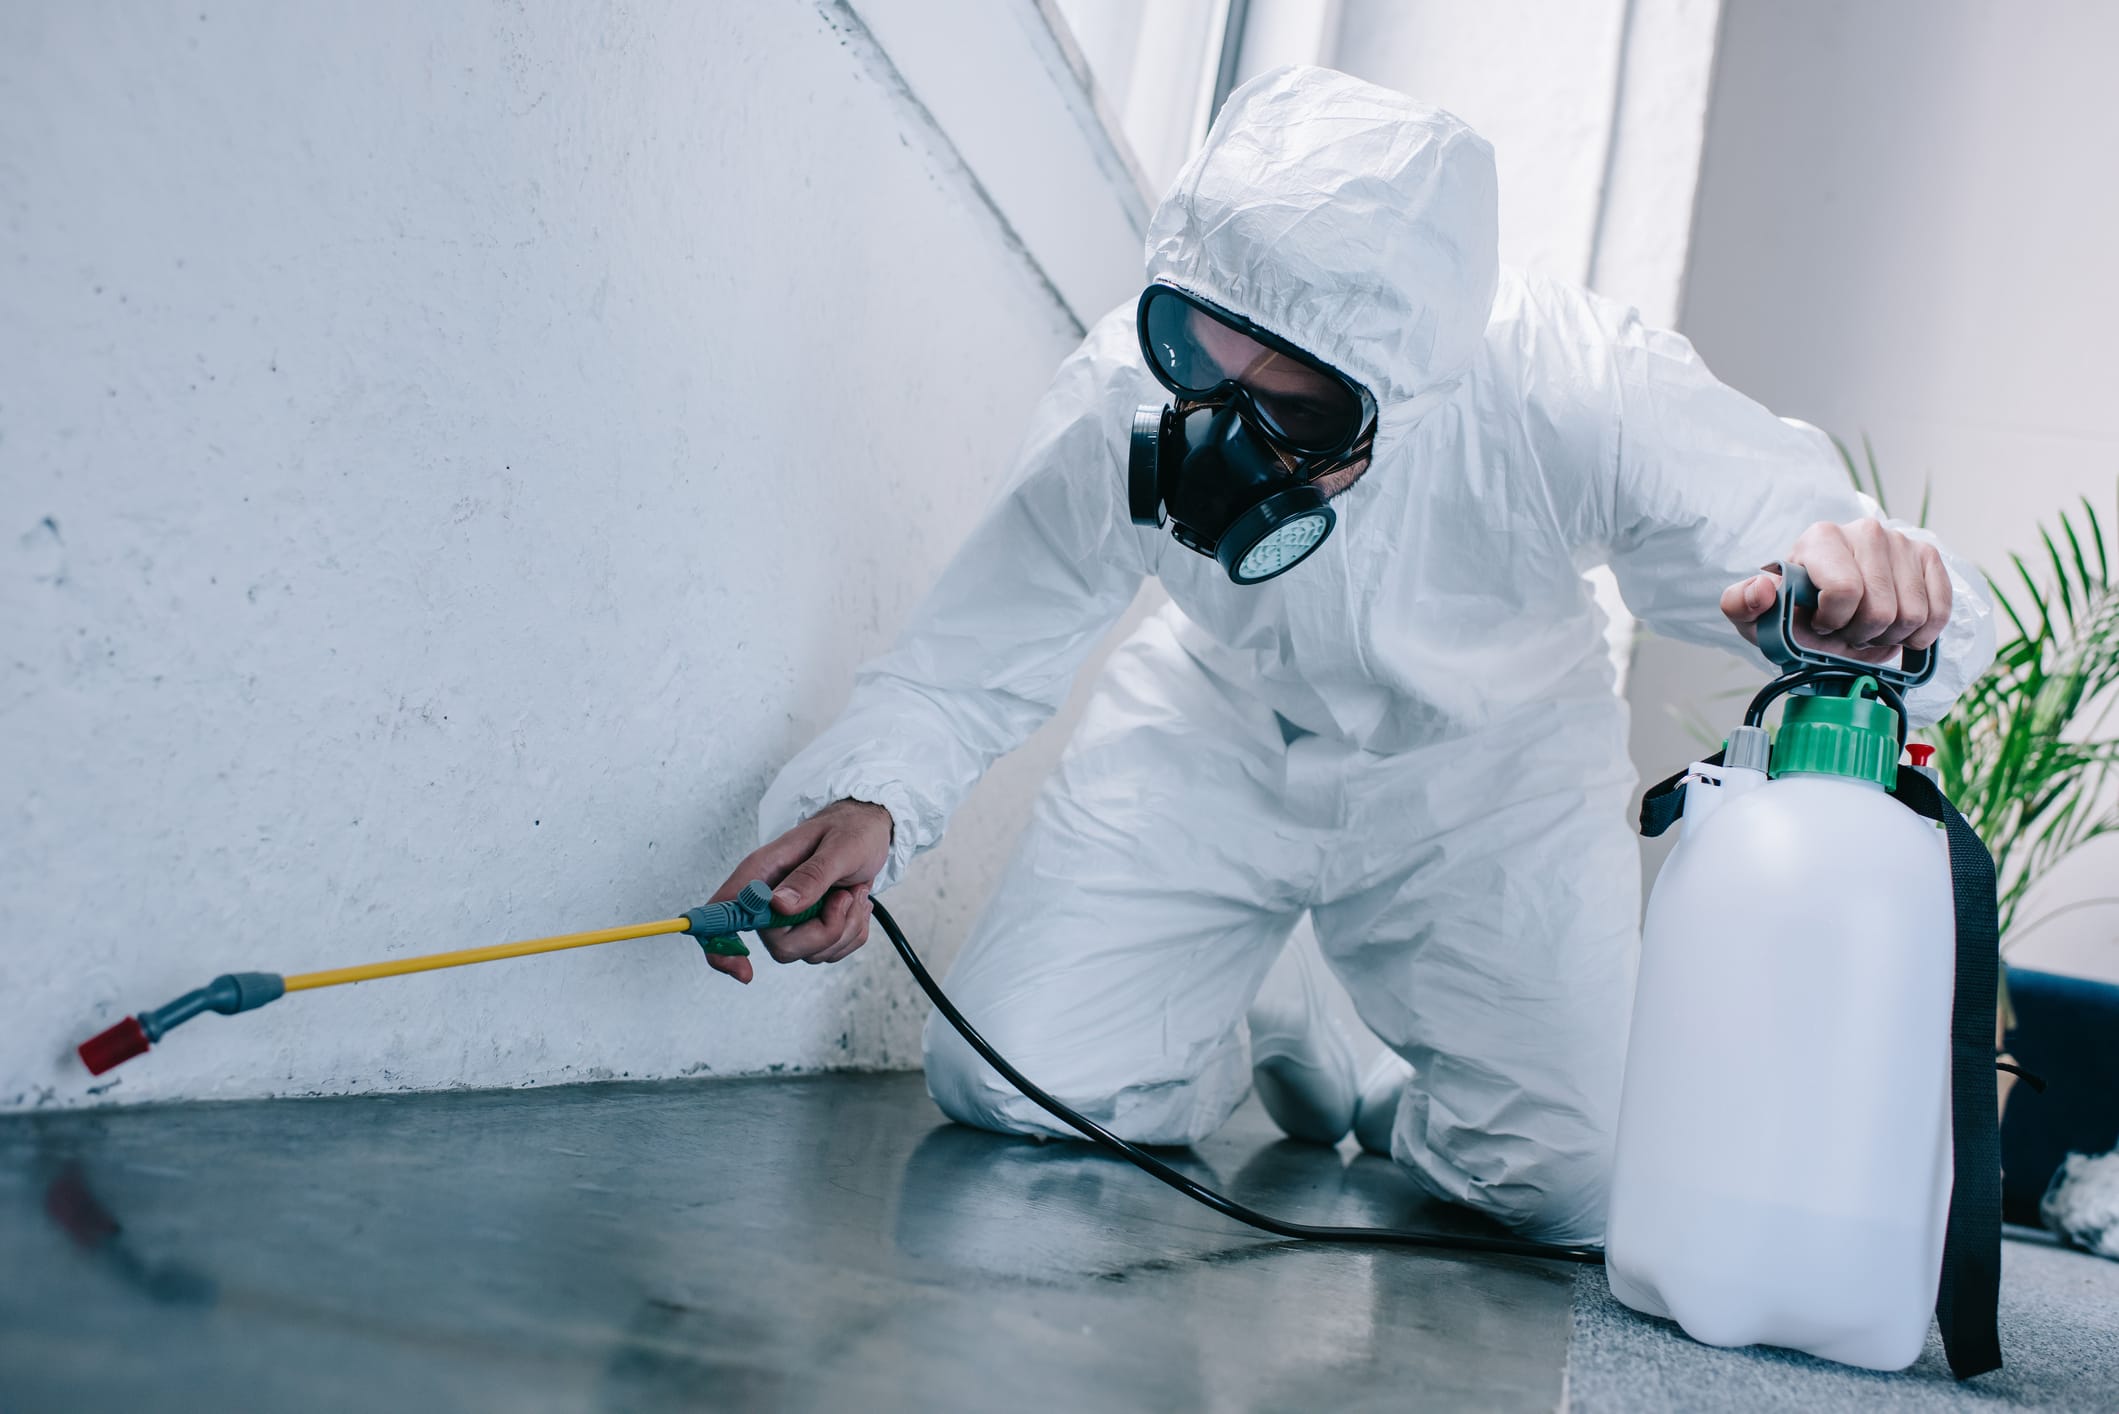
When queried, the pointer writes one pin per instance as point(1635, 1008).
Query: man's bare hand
point(1878, 591)
point(837, 852)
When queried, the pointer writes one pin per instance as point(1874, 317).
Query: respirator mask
point(1231, 464)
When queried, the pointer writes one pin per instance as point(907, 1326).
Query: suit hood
point(1348, 219)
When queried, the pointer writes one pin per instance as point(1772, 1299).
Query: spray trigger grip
point(1776, 639)
point(716, 924)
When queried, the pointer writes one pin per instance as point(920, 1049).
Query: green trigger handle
point(717, 924)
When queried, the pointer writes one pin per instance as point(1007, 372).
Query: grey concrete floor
point(757, 1244)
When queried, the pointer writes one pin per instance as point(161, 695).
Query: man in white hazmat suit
point(1412, 734)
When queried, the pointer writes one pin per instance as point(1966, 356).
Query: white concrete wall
point(1025, 118)
point(450, 456)
point(1906, 220)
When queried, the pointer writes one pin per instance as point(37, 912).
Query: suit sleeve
point(1708, 488)
point(992, 651)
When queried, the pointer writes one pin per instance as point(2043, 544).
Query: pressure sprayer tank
point(1782, 1174)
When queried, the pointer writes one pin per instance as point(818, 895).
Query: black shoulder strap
point(1665, 800)
point(1971, 1249)
point(1966, 1304)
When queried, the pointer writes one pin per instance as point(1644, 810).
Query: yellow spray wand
point(715, 925)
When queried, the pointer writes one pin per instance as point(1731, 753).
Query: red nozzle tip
point(114, 1047)
point(1920, 751)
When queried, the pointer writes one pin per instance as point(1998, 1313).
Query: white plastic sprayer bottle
point(1782, 1174)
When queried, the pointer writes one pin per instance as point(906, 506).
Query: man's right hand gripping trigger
point(837, 851)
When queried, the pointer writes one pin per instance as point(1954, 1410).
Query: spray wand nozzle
point(227, 994)
point(715, 925)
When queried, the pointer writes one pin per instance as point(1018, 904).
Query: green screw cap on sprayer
point(1852, 735)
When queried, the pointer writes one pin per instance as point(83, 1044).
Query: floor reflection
point(74, 1208)
point(805, 1243)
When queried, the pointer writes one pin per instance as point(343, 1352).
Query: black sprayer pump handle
point(1776, 639)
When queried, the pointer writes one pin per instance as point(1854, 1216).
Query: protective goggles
point(1205, 354)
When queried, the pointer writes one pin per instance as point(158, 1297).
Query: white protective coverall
point(1414, 735)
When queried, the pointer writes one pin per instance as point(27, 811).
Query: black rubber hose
point(1228, 1207)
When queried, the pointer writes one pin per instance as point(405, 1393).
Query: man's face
point(1300, 398)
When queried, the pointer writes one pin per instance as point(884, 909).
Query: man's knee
point(1554, 1198)
point(972, 1092)
point(1154, 1108)
point(1558, 1197)
point(1554, 1187)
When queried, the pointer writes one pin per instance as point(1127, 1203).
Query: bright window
point(1156, 67)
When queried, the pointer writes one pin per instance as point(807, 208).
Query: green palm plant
point(2025, 753)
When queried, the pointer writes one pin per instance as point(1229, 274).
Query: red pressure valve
point(1920, 751)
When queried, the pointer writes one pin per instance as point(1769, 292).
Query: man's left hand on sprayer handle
point(1878, 591)
point(834, 855)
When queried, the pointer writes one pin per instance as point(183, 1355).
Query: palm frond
point(2030, 587)
point(2024, 751)
point(1867, 475)
point(2062, 584)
